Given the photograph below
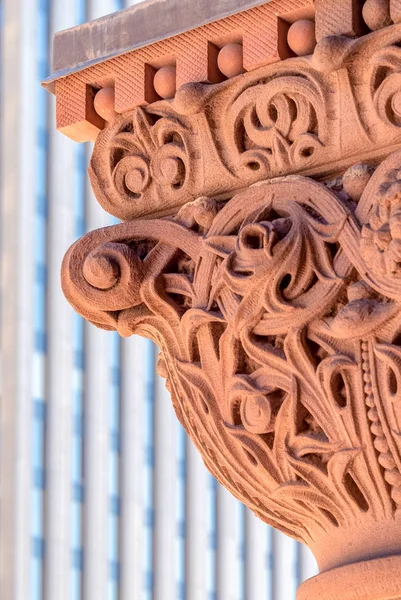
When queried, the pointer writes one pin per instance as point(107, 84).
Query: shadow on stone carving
point(261, 251)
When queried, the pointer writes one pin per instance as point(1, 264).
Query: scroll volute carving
point(277, 309)
point(278, 317)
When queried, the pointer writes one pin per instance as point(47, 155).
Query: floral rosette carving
point(280, 341)
point(141, 157)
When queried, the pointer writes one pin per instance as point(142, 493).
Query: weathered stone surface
point(395, 10)
point(261, 250)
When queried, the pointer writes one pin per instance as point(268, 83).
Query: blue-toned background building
point(102, 496)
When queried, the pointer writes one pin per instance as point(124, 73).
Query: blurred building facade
point(102, 496)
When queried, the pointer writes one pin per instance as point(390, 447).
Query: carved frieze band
point(311, 116)
point(278, 315)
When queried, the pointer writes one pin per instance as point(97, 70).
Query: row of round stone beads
point(376, 14)
point(385, 458)
point(300, 38)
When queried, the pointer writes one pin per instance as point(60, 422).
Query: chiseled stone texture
point(261, 250)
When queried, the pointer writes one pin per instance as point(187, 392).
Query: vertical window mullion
point(39, 321)
point(149, 473)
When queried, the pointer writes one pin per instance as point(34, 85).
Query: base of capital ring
point(378, 579)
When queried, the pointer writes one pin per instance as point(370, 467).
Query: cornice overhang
point(138, 26)
point(260, 248)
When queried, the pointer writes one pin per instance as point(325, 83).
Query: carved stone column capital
point(261, 251)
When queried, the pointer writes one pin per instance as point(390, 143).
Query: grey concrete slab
point(135, 27)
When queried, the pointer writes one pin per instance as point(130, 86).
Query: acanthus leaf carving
point(279, 335)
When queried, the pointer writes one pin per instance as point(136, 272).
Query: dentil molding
point(260, 249)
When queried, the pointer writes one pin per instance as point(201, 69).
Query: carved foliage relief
point(302, 116)
point(277, 311)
